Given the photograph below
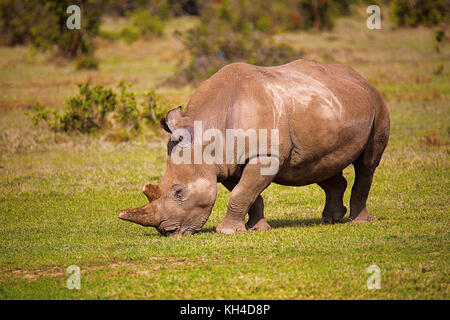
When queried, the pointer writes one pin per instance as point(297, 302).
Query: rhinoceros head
point(182, 203)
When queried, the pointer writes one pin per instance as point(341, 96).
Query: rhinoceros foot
point(364, 216)
point(333, 216)
point(229, 226)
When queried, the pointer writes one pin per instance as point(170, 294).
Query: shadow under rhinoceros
point(278, 223)
point(286, 223)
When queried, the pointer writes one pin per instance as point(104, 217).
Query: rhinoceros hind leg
point(364, 216)
point(365, 167)
point(334, 188)
point(360, 192)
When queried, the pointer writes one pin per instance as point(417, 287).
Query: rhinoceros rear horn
point(152, 192)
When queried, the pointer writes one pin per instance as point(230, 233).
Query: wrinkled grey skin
point(328, 117)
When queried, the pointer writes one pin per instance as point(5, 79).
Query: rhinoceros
point(324, 117)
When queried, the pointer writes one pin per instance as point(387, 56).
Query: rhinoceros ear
point(172, 117)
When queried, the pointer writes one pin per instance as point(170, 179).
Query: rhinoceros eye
point(179, 192)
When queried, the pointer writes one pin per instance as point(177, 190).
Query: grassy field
point(60, 194)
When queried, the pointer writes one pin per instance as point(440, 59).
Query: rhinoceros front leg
point(256, 221)
point(245, 197)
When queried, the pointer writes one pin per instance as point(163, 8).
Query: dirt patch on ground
point(139, 268)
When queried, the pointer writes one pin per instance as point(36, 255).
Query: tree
point(44, 25)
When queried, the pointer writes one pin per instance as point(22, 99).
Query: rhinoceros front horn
point(152, 192)
point(144, 216)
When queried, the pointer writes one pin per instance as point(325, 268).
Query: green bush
point(86, 112)
point(438, 37)
point(97, 108)
point(277, 15)
point(241, 30)
point(147, 24)
point(225, 36)
point(129, 34)
point(44, 25)
point(319, 14)
point(86, 62)
point(109, 35)
point(142, 24)
point(164, 9)
point(16, 19)
point(127, 113)
point(154, 107)
point(438, 69)
point(412, 13)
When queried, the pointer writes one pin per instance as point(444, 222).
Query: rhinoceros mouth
point(167, 231)
point(175, 231)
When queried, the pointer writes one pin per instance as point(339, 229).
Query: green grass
point(59, 194)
